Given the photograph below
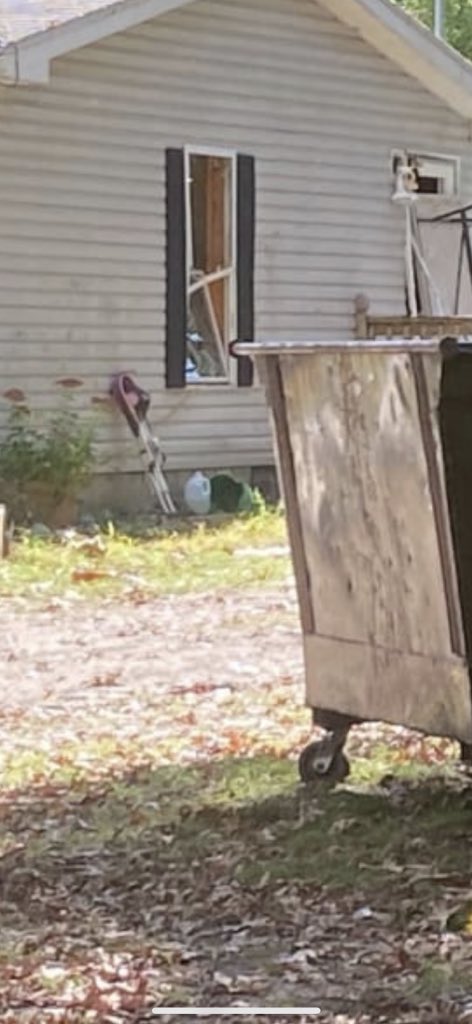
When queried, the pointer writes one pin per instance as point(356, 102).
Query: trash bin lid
point(420, 346)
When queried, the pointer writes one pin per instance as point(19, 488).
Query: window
point(433, 174)
point(210, 266)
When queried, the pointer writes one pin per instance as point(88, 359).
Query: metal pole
point(439, 18)
point(467, 243)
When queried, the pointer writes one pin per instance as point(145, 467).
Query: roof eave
point(437, 66)
point(27, 61)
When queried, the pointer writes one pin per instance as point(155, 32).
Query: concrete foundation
point(128, 494)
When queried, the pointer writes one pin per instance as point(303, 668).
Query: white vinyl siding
point(82, 202)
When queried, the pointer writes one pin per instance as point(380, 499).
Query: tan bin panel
point(382, 647)
point(363, 490)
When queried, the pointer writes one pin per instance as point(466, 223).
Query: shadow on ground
point(229, 882)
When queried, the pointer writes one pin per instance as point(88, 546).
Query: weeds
point(207, 558)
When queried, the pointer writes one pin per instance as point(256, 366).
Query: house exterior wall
point(82, 204)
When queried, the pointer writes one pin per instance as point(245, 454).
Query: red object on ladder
point(134, 403)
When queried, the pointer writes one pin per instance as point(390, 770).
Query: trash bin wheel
point(314, 765)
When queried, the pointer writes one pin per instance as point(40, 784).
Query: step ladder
point(133, 402)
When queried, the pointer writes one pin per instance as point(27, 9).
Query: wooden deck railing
point(371, 327)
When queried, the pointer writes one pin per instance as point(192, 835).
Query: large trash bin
point(374, 443)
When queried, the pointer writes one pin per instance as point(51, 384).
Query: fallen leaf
point(88, 575)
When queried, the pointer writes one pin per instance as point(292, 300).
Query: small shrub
point(54, 457)
point(21, 452)
point(68, 455)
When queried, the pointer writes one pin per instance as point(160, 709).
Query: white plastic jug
point(197, 494)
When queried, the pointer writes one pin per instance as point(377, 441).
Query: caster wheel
point(314, 764)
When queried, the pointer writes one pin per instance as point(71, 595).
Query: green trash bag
point(230, 495)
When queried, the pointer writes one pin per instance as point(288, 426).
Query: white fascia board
point(34, 54)
point(8, 66)
point(413, 47)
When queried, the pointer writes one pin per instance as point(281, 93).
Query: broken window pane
point(211, 270)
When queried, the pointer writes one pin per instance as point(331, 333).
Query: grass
point(353, 837)
point(438, 979)
point(205, 558)
point(361, 842)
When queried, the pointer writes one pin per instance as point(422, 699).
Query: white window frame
point(434, 165)
point(231, 271)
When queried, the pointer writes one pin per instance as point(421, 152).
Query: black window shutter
point(246, 224)
point(176, 291)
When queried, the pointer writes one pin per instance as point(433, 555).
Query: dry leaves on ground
point(156, 848)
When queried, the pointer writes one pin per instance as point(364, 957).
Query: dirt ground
point(229, 640)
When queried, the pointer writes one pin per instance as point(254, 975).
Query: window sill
point(222, 385)
point(197, 385)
